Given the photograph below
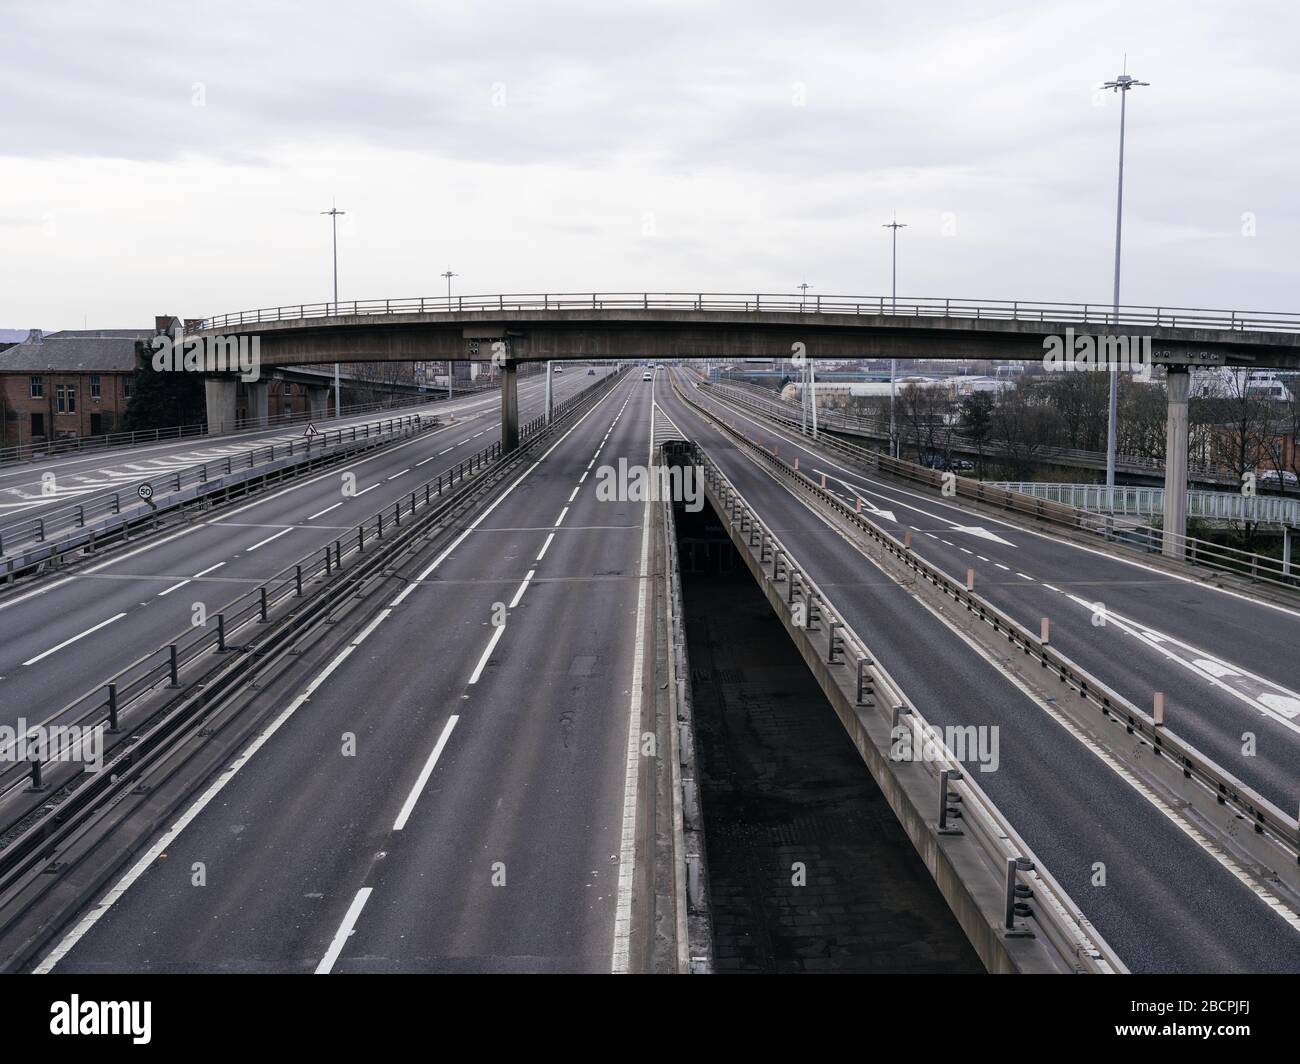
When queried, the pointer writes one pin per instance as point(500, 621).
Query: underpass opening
point(809, 869)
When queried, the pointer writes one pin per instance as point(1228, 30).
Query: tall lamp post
point(895, 225)
point(1122, 85)
point(449, 275)
point(334, 213)
point(803, 370)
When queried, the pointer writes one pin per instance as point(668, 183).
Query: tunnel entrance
point(809, 870)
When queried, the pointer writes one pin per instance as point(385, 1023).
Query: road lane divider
point(1016, 915)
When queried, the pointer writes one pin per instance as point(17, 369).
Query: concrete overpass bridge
point(510, 329)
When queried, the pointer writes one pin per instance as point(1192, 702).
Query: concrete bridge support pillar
point(219, 402)
point(258, 402)
point(549, 367)
point(1288, 541)
point(1178, 384)
point(318, 401)
point(509, 407)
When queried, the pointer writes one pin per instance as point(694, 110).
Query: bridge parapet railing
point(1150, 502)
point(1055, 914)
point(947, 438)
point(138, 497)
point(1099, 314)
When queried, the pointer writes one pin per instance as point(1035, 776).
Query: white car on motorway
point(647, 376)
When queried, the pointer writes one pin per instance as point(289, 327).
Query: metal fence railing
point(1055, 914)
point(65, 446)
point(946, 439)
point(774, 303)
point(1150, 502)
point(135, 499)
point(1259, 568)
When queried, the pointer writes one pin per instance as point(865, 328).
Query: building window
point(126, 387)
point(38, 387)
point(65, 398)
point(94, 386)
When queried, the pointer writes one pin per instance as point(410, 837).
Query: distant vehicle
point(934, 460)
point(591, 372)
point(559, 369)
point(647, 376)
point(1270, 476)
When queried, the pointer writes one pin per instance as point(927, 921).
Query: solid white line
point(487, 653)
point(268, 539)
point(545, 546)
point(620, 959)
point(172, 588)
point(209, 569)
point(327, 509)
point(68, 642)
point(409, 805)
point(344, 932)
point(218, 785)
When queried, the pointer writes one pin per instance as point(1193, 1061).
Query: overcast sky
point(174, 157)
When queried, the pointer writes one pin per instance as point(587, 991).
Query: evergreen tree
point(161, 400)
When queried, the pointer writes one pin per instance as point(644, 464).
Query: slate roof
point(79, 351)
point(73, 354)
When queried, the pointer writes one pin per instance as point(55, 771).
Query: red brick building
point(70, 383)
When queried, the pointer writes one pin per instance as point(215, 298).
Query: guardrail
point(1144, 539)
point(74, 445)
point(127, 505)
point(1004, 852)
point(948, 439)
point(747, 302)
point(107, 705)
point(1214, 782)
point(1150, 502)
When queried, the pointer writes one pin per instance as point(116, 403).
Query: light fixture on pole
point(803, 369)
point(334, 213)
point(449, 275)
point(1121, 84)
point(895, 225)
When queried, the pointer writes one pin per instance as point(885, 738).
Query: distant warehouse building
point(66, 384)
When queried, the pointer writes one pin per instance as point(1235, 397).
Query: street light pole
point(803, 370)
point(334, 213)
point(449, 275)
point(1122, 85)
point(895, 225)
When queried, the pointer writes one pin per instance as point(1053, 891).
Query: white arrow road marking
point(983, 533)
point(1269, 698)
point(867, 504)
